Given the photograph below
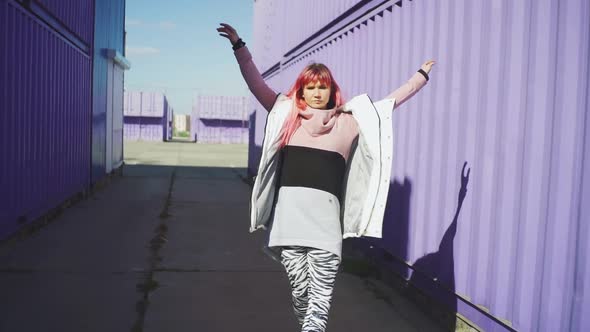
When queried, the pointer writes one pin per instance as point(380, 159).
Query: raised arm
point(265, 95)
point(406, 91)
point(413, 85)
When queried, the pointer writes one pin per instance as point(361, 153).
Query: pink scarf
point(318, 121)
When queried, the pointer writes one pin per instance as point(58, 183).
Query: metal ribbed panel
point(509, 96)
point(132, 103)
point(219, 119)
point(108, 34)
point(117, 122)
point(153, 104)
point(147, 116)
point(273, 19)
point(45, 118)
point(220, 107)
point(74, 15)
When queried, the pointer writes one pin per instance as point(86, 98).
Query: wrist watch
point(239, 43)
point(423, 73)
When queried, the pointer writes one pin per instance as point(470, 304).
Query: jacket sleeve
point(406, 91)
point(265, 95)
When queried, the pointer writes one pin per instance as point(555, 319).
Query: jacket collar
point(317, 121)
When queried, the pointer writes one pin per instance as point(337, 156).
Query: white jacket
point(366, 181)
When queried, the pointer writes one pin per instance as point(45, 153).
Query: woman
point(319, 152)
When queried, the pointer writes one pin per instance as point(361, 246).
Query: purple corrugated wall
point(72, 14)
point(147, 116)
point(220, 119)
point(508, 96)
point(45, 114)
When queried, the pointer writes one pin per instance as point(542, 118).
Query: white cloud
point(164, 25)
point(132, 22)
point(141, 50)
point(167, 25)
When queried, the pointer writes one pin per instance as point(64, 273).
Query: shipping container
point(148, 116)
point(507, 98)
point(132, 128)
point(53, 119)
point(132, 103)
point(220, 119)
point(221, 107)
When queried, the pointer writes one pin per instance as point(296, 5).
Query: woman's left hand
point(427, 66)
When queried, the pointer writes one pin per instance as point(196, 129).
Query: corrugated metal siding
point(118, 107)
point(108, 34)
point(282, 15)
point(74, 14)
point(153, 104)
point(147, 116)
point(132, 105)
point(509, 96)
point(220, 119)
point(45, 118)
point(221, 107)
point(221, 131)
point(131, 128)
point(145, 129)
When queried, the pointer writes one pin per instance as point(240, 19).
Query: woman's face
point(316, 94)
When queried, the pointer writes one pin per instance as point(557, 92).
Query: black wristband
point(239, 43)
point(423, 73)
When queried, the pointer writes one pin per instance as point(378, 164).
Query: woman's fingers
point(427, 66)
point(227, 31)
point(229, 27)
point(224, 30)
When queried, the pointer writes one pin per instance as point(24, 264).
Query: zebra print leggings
point(311, 273)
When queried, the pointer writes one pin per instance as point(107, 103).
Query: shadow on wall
point(396, 226)
point(434, 273)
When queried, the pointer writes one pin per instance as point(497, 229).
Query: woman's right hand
point(228, 32)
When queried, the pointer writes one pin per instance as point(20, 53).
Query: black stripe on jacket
point(312, 168)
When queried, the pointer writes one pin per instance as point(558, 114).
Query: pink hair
point(311, 73)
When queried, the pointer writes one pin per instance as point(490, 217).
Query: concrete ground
point(166, 247)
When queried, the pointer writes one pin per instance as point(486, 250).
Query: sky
point(173, 47)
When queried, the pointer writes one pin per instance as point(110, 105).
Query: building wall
point(182, 122)
point(46, 110)
point(108, 34)
point(116, 125)
point(72, 14)
point(508, 97)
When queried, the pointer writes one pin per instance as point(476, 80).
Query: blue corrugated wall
point(108, 34)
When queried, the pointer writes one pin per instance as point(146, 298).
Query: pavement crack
point(148, 284)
